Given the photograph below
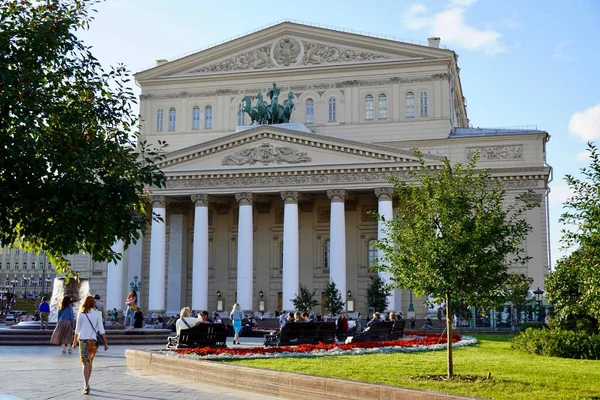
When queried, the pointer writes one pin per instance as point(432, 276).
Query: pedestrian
point(100, 307)
point(63, 332)
point(88, 327)
point(44, 312)
point(236, 317)
point(131, 308)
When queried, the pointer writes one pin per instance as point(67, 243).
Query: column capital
point(336, 195)
point(158, 201)
point(289, 197)
point(244, 198)
point(200, 200)
point(384, 193)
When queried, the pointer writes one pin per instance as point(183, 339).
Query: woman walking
point(88, 327)
point(63, 333)
point(236, 316)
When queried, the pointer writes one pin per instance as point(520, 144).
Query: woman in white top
point(184, 316)
point(89, 323)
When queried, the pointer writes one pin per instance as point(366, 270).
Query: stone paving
point(41, 372)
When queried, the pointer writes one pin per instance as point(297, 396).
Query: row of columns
point(245, 255)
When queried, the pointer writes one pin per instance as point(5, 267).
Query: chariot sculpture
point(273, 113)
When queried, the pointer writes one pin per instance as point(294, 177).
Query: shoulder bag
point(98, 336)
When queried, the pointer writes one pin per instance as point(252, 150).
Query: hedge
point(558, 343)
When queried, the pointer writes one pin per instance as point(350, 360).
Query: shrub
point(558, 343)
point(532, 325)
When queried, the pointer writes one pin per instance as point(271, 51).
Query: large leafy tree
point(377, 294)
point(305, 300)
point(333, 299)
point(73, 175)
point(453, 238)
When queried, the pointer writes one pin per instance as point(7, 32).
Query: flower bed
point(420, 342)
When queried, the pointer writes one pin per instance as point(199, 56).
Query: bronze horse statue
point(248, 109)
point(273, 113)
point(288, 108)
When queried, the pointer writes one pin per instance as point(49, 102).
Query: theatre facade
point(252, 211)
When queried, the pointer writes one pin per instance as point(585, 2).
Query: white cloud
point(583, 155)
point(560, 52)
point(451, 26)
point(586, 124)
point(559, 194)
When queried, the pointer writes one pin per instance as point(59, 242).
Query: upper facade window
point(331, 109)
point(208, 117)
point(241, 115)
point(371, 253)
point(382, 100)
point(369, 107)
point(410, 104)
point(310, 111)
point(423, 104)
point(195, 118)
point(326, 254)
point(172, 119)
point(160, 119)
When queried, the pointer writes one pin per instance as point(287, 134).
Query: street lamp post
point(538, 295)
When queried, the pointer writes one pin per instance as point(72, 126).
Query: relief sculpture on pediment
point(316, 53)
point(254, 59)
point(265, 154)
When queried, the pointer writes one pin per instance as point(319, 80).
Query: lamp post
point(538, 295)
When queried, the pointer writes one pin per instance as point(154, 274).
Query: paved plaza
point(41, 372)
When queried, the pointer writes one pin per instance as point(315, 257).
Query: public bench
point(201, 335)
point(385, 330)
point(295, 333)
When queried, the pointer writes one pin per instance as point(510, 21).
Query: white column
point(337, 240)
point(114, 280)
point(200, 253)
point(291, 242)
point(386, 210)
point(156, 293)
point(177, 261)
point(245, 251)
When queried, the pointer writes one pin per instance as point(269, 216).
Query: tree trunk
point(449, 332)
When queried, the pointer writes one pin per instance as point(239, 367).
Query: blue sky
point(522, 62)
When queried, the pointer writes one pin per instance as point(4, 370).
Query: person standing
point(236, 317)
point(63, 332)
point(87, 329)
point(131, 305)
point(100, 307)
point(44, 313)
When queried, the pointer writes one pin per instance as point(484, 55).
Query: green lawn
point(515, 375)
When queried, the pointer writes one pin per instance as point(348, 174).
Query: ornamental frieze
point(496, 152)
point(254, 59)
point(316, 53)
point(265, 154)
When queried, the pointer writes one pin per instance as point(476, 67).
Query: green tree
point(457, 239)
point(73, 174)
point(377, 294)
point(305, 300)
point(517, 293)
point(333, 299)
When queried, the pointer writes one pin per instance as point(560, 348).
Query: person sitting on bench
point(185, 321)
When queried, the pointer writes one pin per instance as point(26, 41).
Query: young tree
point(453, 239)
point(305, 300)
point(73, 175)
point(333, 299)
point(377, 294)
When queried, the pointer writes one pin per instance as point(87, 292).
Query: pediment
point(289, 45)
point(271, 148)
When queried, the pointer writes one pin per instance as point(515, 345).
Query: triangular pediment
point(291, 45)
point(272, 148)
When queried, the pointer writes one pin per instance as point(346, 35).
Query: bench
point(295, 333)
point(201, 335)
point(385, 330)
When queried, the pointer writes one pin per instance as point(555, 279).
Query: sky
point(522, 63)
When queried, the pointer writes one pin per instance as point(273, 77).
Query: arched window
point(310, 111)
point(410, 104)
point(326, 254)
point(369, 107)
point(160, 118)
point(172, 118)
point(371, 253)
point(241, 115)
point(382, 100)
point(423, 104)
point(332, 109)
point(195, 118)
point(208, 117)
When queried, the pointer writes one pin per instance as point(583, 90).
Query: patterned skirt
point(63, 333)
point(87, 350)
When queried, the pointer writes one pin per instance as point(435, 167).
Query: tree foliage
point(305, 300)
point(73, 175)
point(377, 294)
point(333, 299)
point(453, 239)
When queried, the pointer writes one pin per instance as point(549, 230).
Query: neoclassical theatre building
point(253, 211)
